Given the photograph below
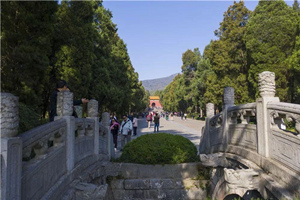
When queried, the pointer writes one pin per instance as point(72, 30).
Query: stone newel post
point(11, 148)
point(229, 96)
point(9, 115)
point(205, 139)
point(93, 114)
point(266, 86)
point(210, 110)
point(64, 110)
point(228, 102)
point(64, 103)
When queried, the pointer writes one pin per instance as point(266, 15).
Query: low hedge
point(160, 148)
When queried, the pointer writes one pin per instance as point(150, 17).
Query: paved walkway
point(190, 129)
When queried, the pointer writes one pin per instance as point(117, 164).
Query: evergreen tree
point(270, 38)
point(228, 54)
point(26, 36)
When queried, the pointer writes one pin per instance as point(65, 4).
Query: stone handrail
point(39, 162)
point(289, 111)
point(37, 139)
point(284, 145)
point(256, 132)
point(84, 126)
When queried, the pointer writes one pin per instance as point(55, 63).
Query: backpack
point(148, 118)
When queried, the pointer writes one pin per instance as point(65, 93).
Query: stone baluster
point(64, 110)
point(93, 114)
point(266, 87)
point(11, 148)
point(105, 123)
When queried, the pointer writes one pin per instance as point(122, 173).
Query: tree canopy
point(43, 42)
point(267, 39)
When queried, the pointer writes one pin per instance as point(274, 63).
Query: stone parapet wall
point(136, 181)
point(41, 163)
point(257, 132)
point(158, 189)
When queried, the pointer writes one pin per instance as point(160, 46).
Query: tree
point(76, 36)
point(270, 38)
point(26, 36)
point(228, 54)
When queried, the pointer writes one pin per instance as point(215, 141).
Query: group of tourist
point(129, 124)
point(153, 117)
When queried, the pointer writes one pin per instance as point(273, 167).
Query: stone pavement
point(191, 129)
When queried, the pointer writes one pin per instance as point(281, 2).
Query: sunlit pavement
point(191, 129)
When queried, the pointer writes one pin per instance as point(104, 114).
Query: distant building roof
point(154, 97)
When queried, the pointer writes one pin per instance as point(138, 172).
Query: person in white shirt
point(125, 131)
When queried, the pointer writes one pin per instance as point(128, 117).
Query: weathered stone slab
point(117, 184)
point(135, 184)
point(87, 191)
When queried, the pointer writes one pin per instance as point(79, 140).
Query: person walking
point(149, 120)
point(125, 131)
point(156, 122)
point(135, 125)
point(185, 115)
point(114, 128)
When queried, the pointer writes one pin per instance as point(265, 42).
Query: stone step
point(158, 189)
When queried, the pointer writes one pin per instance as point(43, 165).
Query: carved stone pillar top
point(105, 119)
point(64, 103)
point(210, 110)
point(266, 84)
point(93, 108)
point(229, 96)
point(9, 115)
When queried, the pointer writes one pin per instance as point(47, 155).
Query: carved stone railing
point(84, 139)
point(256, 132)
point(284, 145)
point(242, 126)
point(38, 140)
point(42, 160)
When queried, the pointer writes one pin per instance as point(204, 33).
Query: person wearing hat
point(125, 131)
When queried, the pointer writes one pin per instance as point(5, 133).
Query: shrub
point(29, 118)
point(160, 148)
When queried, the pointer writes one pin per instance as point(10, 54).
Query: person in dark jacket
point(156, 122)
point(114, 128)
point(61, 85)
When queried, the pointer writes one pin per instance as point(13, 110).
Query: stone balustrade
point(256, 132)
point(42, 161)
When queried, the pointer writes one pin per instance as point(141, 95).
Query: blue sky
point(158, 32)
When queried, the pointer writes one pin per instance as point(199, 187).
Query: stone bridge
point(69, 158)
point(250, 148)
point(58, 159)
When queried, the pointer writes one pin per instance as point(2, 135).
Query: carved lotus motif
point(266, 84)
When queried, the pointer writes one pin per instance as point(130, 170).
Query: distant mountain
point(157, 84)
